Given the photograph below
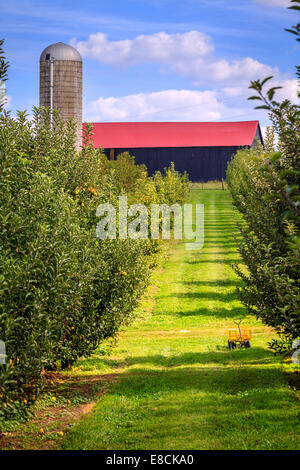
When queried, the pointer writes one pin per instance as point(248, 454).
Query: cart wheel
point(231, 345)
point(247, 344)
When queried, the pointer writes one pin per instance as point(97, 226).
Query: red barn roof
point(174, 134)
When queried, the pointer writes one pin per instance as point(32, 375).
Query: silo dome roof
point(60, 51)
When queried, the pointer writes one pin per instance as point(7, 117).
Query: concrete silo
point(61, 83)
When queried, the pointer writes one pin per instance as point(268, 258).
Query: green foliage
point(171, 187)
point(45, 261)
point(268, 246)
point(62, 290)
point(295, 29)
point(265, 186)
point(269, 139)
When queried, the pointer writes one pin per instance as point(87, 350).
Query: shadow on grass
point(232, 261)
point(252, 356)
point(99, 363)
point(217, 296)
point(220, 252)
point(192, 408)
point(219, 283)
point(215, 379)
point(208, 245)
point(216, 313)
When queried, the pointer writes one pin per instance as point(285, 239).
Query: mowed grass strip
point(180, 387)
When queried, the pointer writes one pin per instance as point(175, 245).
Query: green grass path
point(179, 387)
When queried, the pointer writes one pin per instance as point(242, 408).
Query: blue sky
point(156, 60)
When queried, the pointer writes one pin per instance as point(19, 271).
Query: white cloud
point(290, 89)
point(223, 72)
point(228, 103)
point(167, 105)
point(274, 3)
point(233, 92)
point(189, 54)
point(159, 47)
point(225, 83)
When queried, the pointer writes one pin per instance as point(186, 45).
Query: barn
point(203, 149)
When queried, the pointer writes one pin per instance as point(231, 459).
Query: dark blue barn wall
point(201, 163)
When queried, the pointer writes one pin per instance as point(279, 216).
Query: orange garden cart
point(239, 336)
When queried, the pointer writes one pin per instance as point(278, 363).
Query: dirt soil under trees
point(45, 430)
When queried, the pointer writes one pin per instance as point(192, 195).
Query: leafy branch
point(3, 74)
point(295, 29)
